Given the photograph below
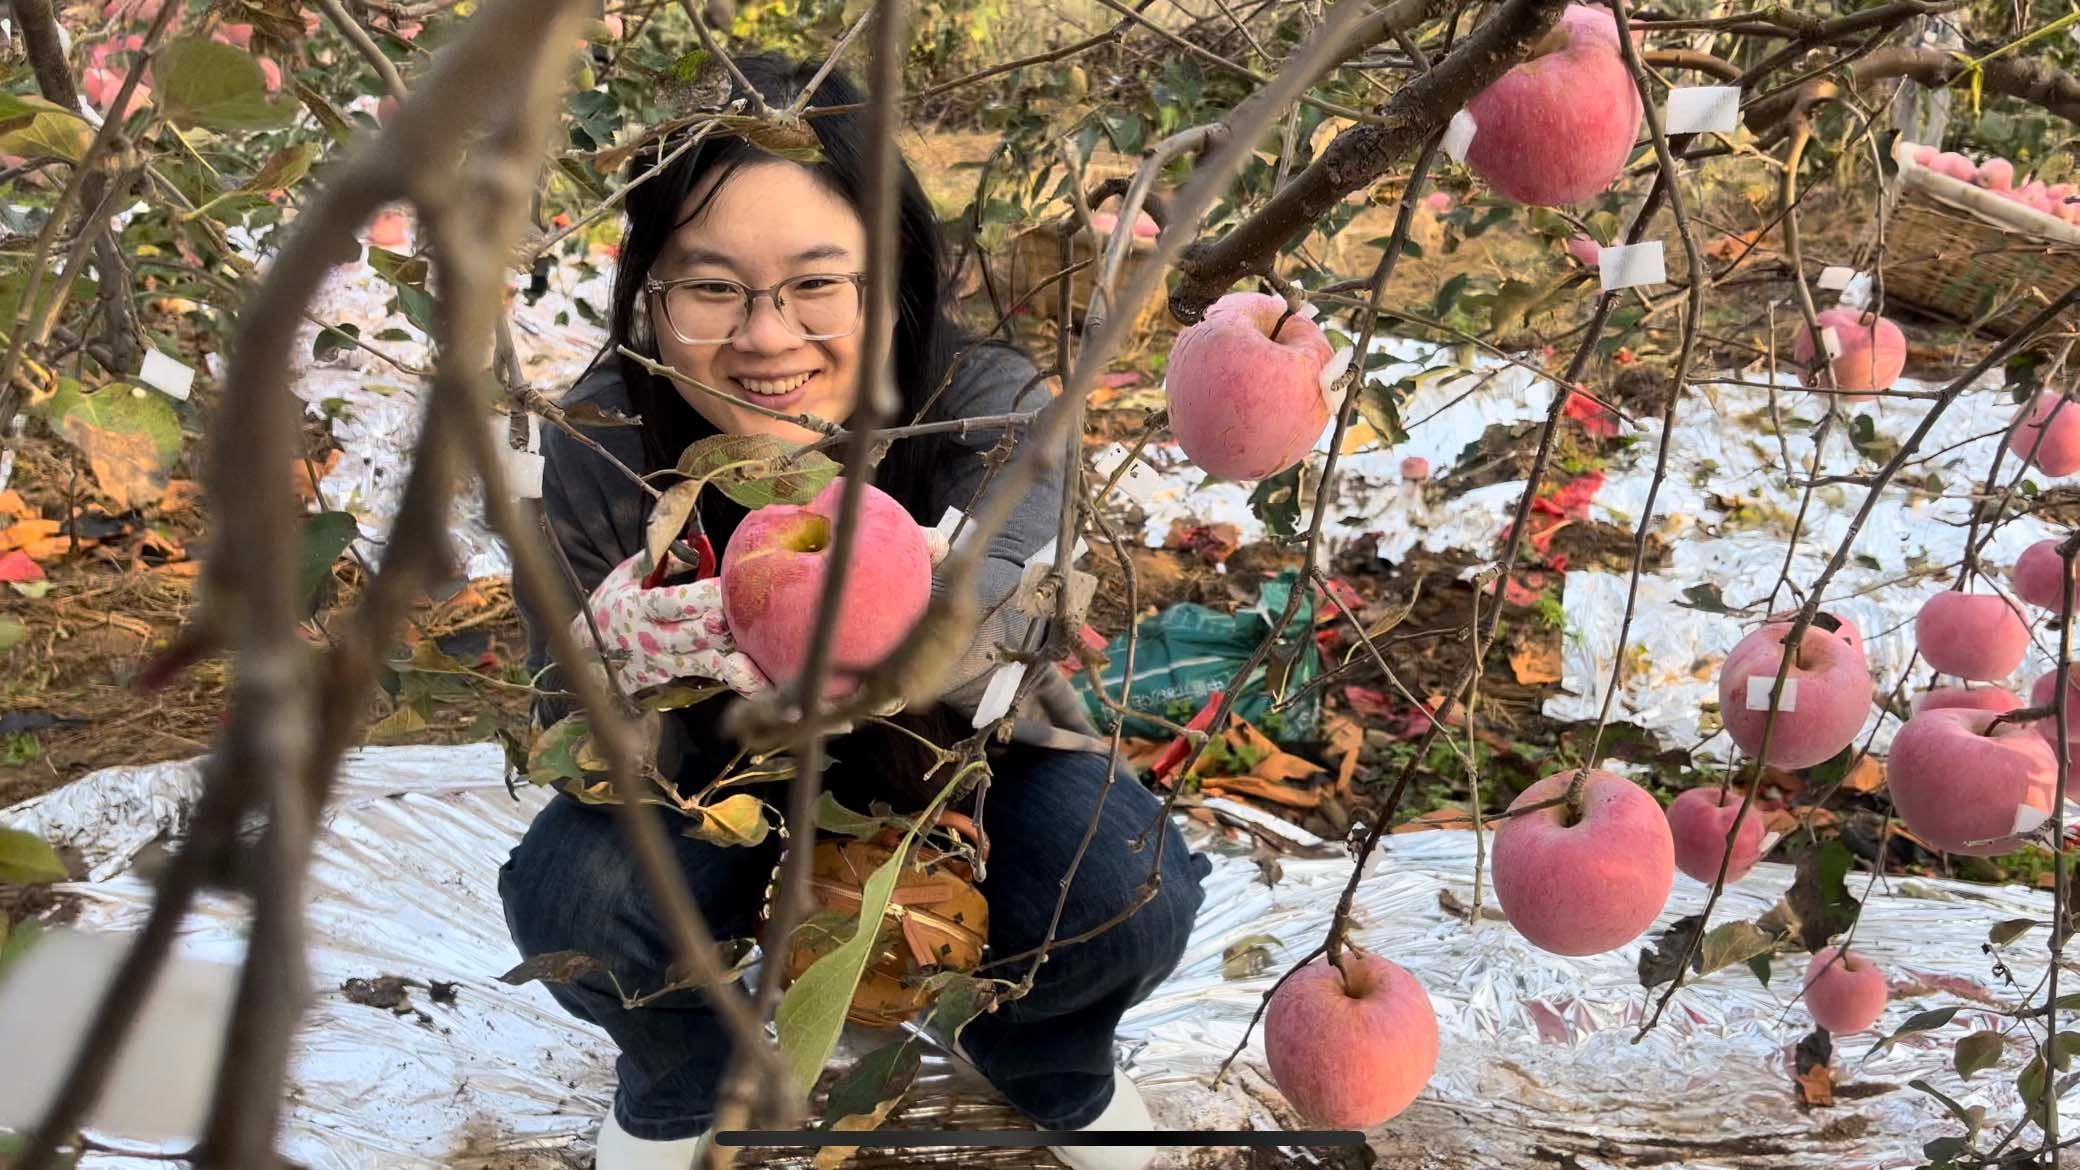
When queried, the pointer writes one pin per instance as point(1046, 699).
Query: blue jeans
point(571, 884)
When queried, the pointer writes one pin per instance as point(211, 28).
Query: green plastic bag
point(1188, 651)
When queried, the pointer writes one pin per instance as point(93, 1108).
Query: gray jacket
point(597, 515)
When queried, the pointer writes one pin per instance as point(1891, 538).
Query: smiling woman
point(742, 273)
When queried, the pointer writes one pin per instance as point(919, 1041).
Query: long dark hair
point(927, 339)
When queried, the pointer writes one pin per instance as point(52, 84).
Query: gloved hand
point(667, 632)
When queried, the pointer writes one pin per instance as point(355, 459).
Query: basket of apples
point(1980, 242)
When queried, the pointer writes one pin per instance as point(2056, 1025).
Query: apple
point(1957, 779)
point(1997, 174)
point(1242, 405)
point(1350, 1052)
point(2039, 576)
point(1979, 636)
point(1925, 155)
point(772, 583)
point(1998, 700)
point(2047, 433)
point(1845, 995)
point(1558, 128)
point(1582, 887)
point(1827, 693)
point(1585, 250)
point(1954, 165)
point(1872, 352)
point(2044, 693)
point(1699, 819)
point(391, 230)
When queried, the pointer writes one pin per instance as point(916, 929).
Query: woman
point(728, 212)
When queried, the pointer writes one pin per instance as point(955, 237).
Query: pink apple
point(1698, 821)
point(2047, 434)
point(237, 35)
point(1415, 467)
point(1588, 886)
point(1558, 128)
point(772, 583)
point(391, 229)
point(1954, 165)
point(271, 73)
point(1827, 694)
point(1925, 155)
point(2039, 576)
point(1996, 173)
point(1873, 352)
point(1959, 782)
point(1439, 202)
point(1998, 700)
point(1145, 226)
point(2044, 693)
point(1845, 995)
point(1242, 405)
point(1351, 1054)
point(1585, 250)
point(1979, 636)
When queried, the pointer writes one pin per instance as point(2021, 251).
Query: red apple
point(1350, 1054)
point(1997, 174)
point(1585, 250)
point(1558, 128)
point(1827, 694)
point(1872, 352)
point(2048, 435)
point(1588, 886)
point(1845, 995)
point(1242, 405)
point(1998, 700)
point(1954, 165)
point(1979, 636)
point(1961, 787)
point(1699, 819)
point(2039, 576)
point(772, 583)
point(1925, 155)
point(2044, 693)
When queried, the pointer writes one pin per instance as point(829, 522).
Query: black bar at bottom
point(884, 1138)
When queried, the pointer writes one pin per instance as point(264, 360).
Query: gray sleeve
point(993, 380)
point(594, 524)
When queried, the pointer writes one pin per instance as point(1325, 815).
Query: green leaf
point(957, 997)
point(11, 633)
point(2030, 1084)
point(1379, 404)
point(833, 817)
point(1978, 1052)
point(334, 122)
point(2063, 1046)
point(1819, 894)
point(875, 1081)
point(326, 536)
point(54, 132)
point(757, 470)
point(1705, 598)
point(16, 942)
point(1927, 1021)
point(130, 437)
point(332, 340)
point(1449, 295)
point(1760, 966)
point(812, 1012)
point(28, 860)
point(1956, 1110)
point(284, 169)
point(553, 755)
point(1276, 502)
point(1734, 942)
point(2008, 930)
point(678, 695)
point(204, 83)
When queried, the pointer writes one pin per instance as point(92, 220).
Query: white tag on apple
point(1758, 693)
point(1835, 277)
point(1631, 265)
point(1458, 136)
point(996, 695)
point(1703, 109)
point(166, 375)
point(2028, 817)
point(1831, 341)
point(160, 1086)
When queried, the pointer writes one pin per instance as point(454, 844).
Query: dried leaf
point(130, 438)
point(668, 518)
point(1537, 664)
point(1816, 1086)
point(1734, 942)
point(734, 820)
point(757, 470)
point(865, 1094)
point(553, 967)
point(1978, 1052)
point(1248, 956)
point(1866, 775)
point(2008, 930)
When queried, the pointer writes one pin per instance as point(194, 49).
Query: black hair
point(927, 338)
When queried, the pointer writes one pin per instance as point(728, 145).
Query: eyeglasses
point(708, 310)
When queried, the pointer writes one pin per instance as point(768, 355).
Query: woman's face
point(771, 221)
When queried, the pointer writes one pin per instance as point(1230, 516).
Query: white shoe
point(617, 1150)
point(1126, 1110)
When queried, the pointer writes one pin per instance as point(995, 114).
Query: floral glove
point(667, 632)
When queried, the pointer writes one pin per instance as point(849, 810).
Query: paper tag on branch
point(1037, 602)
point(1758, 694)
point(1044, 555)
point(1458, 135)
point(166, 375)
point(1630, 265)
point(1703, 109)
point(1835, 277)
point(996, 696)
point(1139, 482)
point(2028, 817)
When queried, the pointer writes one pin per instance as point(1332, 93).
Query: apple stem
point(1573, 799)
point(1281, 323)
point(1357, 973)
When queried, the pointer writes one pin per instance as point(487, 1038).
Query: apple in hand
point(1959, 782)
point(1242, 405)
point(1582, 887)
point(2039, 576)
point(1979, 636)
point(1557, 129)
point(1872, 352)
point(772, 584)
point(1998, 700)
point(1827, 694)
point(2048, 435)
point(1350, 1053)
point(1699, 819)
point(1845, 995)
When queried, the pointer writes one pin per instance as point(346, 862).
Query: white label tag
point(524, 475)
point(2028, 817)
point(1630, 265)
point(166, 375)
point(1831, 341)
point(1044, 555)
point(1140, 484)
point(1758, 694)
point(1458, 135)
point(1703, 109)
point(950, 521)
point(996, 695)
point(1835, 276)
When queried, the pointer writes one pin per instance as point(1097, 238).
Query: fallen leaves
point(1536, 664)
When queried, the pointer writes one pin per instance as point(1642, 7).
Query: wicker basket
point(1962, 252)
